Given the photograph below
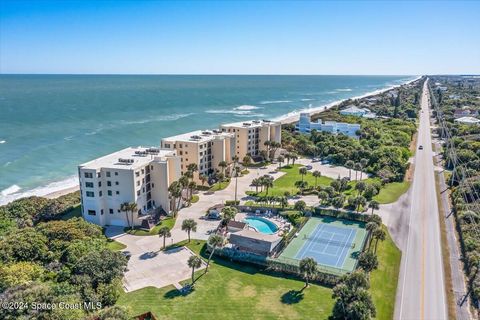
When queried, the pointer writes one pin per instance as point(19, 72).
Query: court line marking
point(301, 253)
point(343, 249)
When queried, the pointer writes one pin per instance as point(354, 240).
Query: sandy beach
point(60, 193)
point(294, 116)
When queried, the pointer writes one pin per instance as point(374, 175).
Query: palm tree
point(288, 156)
point(165, 233)
point(223, 165)
point(132, 207)
point(301, 185)
point(308, 269)
point(175, 190)
point(267, 183)
point(316, 174)
point(274, 145)
point(338, 202)
point(303, 171)
point(256, 183)
point(283, 201)
point(379, 234)
point(323, 196)
point(360, 186)
point(194, 262)
point(294, 157)
point(363, 163)
point(203, 179)
point(280, 160)
point(349, 165)
point(124, 207)
point(192, 167)
point(374, 205)
point(357, 167)
point(264, 154)
point(247, 160)
point(189, 225)
point(191, 186)
point(267, 144)
point(214, 241)
point(229, 213)
point(370, 227)
point(360, 201)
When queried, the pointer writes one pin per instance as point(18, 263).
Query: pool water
point(262, 225)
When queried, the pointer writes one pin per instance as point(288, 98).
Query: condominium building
point(132, 175)
point(205, 148)
point(305, 125)
point(250, 136)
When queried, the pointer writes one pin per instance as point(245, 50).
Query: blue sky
point(157, 37)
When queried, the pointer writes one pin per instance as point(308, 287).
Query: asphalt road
point(421, 293)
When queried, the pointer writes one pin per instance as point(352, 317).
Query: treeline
point(26, 212)
point(384, 143)
point(56, 262)
point(464, 177)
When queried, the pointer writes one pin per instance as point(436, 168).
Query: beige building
point(250, 136)
point(140, 175)
point(206, 148)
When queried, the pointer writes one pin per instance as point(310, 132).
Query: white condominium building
point(134, 175)
point(250, 136)
point(305, 125)
point(205, 148)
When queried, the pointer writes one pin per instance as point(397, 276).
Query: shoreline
point(56, 189)
point(293, 117)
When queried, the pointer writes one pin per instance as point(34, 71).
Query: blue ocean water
point(51, 123)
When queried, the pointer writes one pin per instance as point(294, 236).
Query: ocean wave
point(343, 90)
point(246, 107)
point(307, 99)
point(171, 117)
point(12, 193)
point(224, 111)
point(275, 101)
point(3, 141)
point(251, 115)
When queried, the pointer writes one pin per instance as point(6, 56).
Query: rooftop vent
point(153, 150)
point(125, 161)
point(246, 124)
point(195, 137)
point(256, 121)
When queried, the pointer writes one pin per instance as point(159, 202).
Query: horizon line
point(213, 74)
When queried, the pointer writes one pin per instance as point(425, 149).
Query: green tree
point(308, 269)
point(203, 179)
point(368, 261)
point(164, 232)
point(323, 196)
point(300, 205)
point(280, 160)
point(316, 174)
point(360, 186)
point(223, 165)
point(379, 234)
point(349, 165)
point(374, 205)
point(301, 185)
point(175, 190)
point(214, 241)
point(357, 167)
point(194, 262)
point(247, 160)
point(229, 213)
point(189, 225)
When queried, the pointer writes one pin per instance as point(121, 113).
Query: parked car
point(420, 147)
point(309, 167)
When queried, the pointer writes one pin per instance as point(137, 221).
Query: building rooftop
point(468, 120)
point(354, 109)
point(128, 158)
point(257, 235)
point(249, 124)
point(198, 136)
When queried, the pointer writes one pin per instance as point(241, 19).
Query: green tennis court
point(334, 243)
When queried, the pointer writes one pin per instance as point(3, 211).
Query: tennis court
point(334, 243)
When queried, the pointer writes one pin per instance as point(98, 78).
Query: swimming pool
point(261, 225)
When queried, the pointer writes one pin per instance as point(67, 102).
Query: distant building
point(205, 148)
point(465, 112)
point(250, 136)
point(133, 175)
point(305, 125)
point(255, 242)
point(355, 111)
point(468, 120)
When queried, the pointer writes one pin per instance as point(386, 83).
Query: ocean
point(51, 123)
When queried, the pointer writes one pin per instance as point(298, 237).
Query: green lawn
point(219, 186)
point(287, 181)
point(169, 222)
point(115, 245)
point(231, 290)
point(392, 191)
point(384, 280)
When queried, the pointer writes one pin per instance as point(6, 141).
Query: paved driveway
point(329, 170)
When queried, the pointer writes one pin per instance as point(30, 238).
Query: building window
point(153, 185)
point(111, 211)
point(109, 192)
point(101, 212)
point(116, 173)
point(137, 174)
point(88, 175)
point(89, 184)
point(108, 174)
point(92, 213)
point(138, 182)
point(99, 175)
point(109, 183)
point(118, 210)
point(100, 193)
point(116, 183)
point(143, 190)
point(151, 167)
point(99, 184)
point(117, 192)
point(90, 194)
point(138, 192)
